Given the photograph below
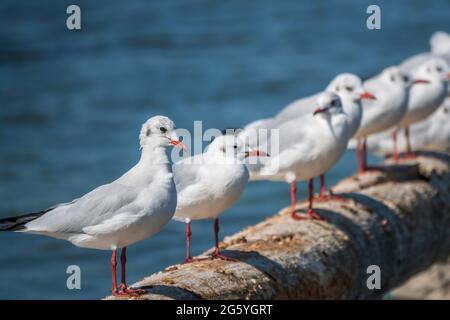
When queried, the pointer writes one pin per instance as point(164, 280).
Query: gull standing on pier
point(425, 98)
point(309, 146)
point(351, 92)
point(431, 134)
point(118, 214)
point(391, 87)
point(209, 183)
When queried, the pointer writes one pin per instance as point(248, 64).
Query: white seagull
point(118, 214)
point(309, 145)
point(431, 134)
point(424, 99)
point(209, 183)
point(439, 47)
point(391, 87)
point(350, 90)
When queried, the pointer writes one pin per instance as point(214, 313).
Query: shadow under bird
point(118, 214)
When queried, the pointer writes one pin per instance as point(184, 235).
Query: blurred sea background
point(72, 102)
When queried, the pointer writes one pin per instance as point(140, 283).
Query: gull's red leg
point(113, 273)
point(123, 262)
point(216, 254)
point(325, 195)
point(124, 290)
point(365, 160)
point(216, 236)
point(359, 157)
point(408, 142)
point(188, 258)
point(323, 188)
point(311, 213)
point(293, 193)
point(394, 140)
point(364, 154)
point(409, 153)
point(358, 145)
point(361, 153)
point(294, 214)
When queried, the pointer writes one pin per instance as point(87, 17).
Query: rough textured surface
point(398, 219)
point(434, 283)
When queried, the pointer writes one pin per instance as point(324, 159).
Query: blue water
point(71, 104)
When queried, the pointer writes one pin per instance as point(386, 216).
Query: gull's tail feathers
point(18, 223)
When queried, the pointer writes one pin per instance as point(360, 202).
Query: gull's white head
point(231, 147)
point(434, 70)
point(393, 76)
point(159, 131)
point(329, 104)
point(349, 87)
point(440, 43)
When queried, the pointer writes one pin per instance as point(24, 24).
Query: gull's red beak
point(367, 95)
point(319, 110)
point(417, 81)
point(256, 153)
point(178, 144)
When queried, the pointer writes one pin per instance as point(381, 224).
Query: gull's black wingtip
point(17, 223)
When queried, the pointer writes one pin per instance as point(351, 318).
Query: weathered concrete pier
point(397, 218)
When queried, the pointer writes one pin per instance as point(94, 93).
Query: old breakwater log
point(397, 218)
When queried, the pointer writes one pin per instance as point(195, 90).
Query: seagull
point(431, 134)
point(309, 145)
point(425, 133)
point(439, 47)
point(349, 87)
point(209, 183)
point(440, 44)
point(118, 214)
point(391, 87)
point(424, 99)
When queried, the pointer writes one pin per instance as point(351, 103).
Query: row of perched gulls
point(302, 141)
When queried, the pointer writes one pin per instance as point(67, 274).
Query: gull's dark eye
point(349, 88)
point(235, 146)
point(392, 78)
point(333, 103)
point(406, 78)
point(163, 130)
point(439, 69)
